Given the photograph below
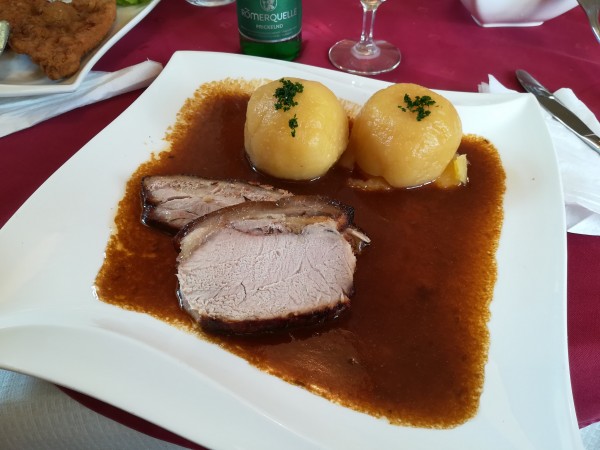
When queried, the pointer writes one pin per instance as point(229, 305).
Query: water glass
point(210, 2)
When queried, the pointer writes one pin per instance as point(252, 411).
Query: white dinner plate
point(53, 327)
point(20, 77)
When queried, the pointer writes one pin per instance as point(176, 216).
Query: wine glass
point(367, 56)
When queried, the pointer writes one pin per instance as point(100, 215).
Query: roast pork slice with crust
point(262, 266)
point(171, 201)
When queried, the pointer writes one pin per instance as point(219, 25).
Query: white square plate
point(20, 77)
point(52, 326)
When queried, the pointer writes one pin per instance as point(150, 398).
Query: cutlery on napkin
point(19, 113)
point(579, 166)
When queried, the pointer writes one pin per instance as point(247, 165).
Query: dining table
point(442, 47)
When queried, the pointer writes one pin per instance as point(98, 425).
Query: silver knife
point(4, 32)
point(559, 111)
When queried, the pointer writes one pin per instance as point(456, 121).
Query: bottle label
point(269, 20)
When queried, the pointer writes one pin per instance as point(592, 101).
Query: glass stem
point(366, 47)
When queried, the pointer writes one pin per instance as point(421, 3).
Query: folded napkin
point(19, 113)
point(579, 165)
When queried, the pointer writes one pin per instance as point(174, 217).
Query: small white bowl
point(516, 13)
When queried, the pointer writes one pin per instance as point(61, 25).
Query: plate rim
point(474, 100)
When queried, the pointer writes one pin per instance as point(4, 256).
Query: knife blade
point(559, 111)
point(4, 33)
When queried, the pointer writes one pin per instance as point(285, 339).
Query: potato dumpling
point(302, 142)
point(403, 137)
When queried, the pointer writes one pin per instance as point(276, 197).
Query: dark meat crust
point(168, 201)
point(280, 324)
point(171, 201)
point(301, 207)
point(57, 35)
point(296, 213)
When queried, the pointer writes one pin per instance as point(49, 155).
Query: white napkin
point(18, 113)
point(579, 165)
point(35, 414)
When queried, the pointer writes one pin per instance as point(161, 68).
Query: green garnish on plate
point(131, 2)
point(285, 100)
point(418, 105)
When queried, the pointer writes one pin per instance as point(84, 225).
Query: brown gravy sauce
point(414, 345)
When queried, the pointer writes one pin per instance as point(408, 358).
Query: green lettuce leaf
point(131, 2)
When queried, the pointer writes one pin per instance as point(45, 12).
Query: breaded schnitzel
point(57, 35)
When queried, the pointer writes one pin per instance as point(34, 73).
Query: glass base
point(344, 56)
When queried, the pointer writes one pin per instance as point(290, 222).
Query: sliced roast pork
point(263, 266)
point(171, 201)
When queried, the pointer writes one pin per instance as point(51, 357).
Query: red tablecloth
point(442, 48)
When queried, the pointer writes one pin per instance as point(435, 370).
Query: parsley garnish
point(418, 105)
point(293, 123)
point(285, 100)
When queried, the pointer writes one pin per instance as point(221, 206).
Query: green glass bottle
point(270, 28)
